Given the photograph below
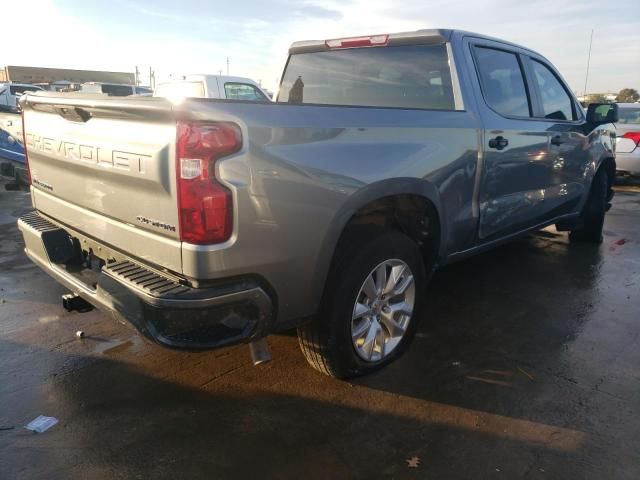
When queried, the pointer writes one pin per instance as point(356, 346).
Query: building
point(16, 74)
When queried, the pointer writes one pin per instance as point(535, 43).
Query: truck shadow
point(117, 420)
point(471, 383)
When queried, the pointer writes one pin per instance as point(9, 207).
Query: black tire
point(326, 342)
point(592, 219)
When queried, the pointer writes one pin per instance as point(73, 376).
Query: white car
point(211, 86)
point(10, 93)
point(628, 139)
point(115, 89)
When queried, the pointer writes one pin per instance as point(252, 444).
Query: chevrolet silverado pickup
point(208, 222)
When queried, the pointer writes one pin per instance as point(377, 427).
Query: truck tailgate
point(106, 168)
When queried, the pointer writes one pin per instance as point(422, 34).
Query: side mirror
point(599, 113)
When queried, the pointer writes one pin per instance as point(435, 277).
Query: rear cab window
point(411, 76)
point(243, 91)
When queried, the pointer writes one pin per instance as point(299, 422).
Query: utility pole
point(586, 77)
point(152, 78)
point(137, 76)
point(227, 65)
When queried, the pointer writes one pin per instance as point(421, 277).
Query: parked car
point(60, 86)
point(11, 138)
point(115, 89)
point(207, 222)
point(10, 93)
point(628, 139)
point(211, 86)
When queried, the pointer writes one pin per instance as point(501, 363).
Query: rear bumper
point(159, 306)
point(628, 163)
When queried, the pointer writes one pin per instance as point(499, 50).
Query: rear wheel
point(369, 312)
point(592, 220)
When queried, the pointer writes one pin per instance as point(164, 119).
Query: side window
point(117, 90)
point(20, 89)
point(502, 82)
point(556, 102)
point(243, 91)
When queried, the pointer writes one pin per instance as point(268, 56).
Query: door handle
point(498, 143)
point(557, 140)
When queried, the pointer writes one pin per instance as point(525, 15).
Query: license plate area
point(74, 256)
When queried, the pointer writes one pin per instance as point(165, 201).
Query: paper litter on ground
point(41, 423)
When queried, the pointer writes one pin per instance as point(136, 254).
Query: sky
point(195, 36)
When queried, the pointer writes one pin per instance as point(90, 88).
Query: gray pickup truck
point(210, 222)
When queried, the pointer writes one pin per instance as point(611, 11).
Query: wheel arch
point(609, 164)
point(375, 192)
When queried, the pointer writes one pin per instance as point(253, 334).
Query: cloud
point(317, 11)
point(198, 36)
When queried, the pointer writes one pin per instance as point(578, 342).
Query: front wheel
point(369, 312)
point(592, 218)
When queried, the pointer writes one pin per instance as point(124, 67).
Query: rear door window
point(556, 102)
point(412, 76)
point(502, 82)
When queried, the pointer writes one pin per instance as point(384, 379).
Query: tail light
point(24, 144)
point(372, 41)
point(205, 206)
point(634, 136)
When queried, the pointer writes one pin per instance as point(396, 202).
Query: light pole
point(586, 77)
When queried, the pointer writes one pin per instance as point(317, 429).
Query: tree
point(595, 98)
point(628, 95)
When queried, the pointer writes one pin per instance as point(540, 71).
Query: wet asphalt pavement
point(527, 365)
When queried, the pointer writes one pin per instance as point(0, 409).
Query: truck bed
point(112, 178)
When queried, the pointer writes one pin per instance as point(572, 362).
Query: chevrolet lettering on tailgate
point(134, 162)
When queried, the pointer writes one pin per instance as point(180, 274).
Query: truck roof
point(430, 36)
point(193, 77)
point(109, 83)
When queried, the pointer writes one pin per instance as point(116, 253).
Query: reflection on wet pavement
point(526, 366)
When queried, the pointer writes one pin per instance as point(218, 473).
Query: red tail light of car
point(635, 136)
point(205, 206)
